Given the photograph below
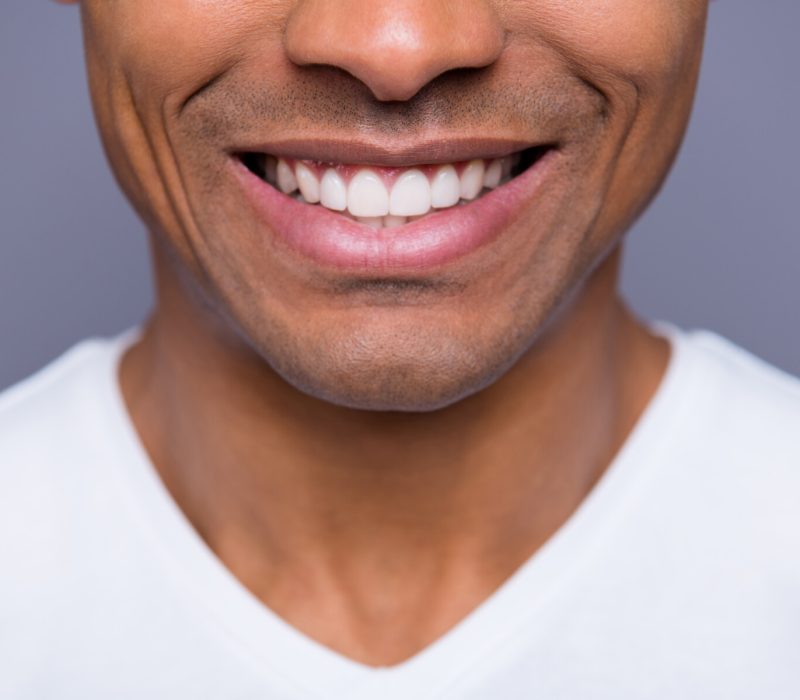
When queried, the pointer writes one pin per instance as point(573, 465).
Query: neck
point(378, 515)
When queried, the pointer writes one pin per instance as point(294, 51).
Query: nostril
point(395, 48)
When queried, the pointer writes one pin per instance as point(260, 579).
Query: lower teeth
point(388, 221)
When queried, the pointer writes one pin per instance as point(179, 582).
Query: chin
point(401, 373)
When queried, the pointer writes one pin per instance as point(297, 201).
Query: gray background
point(718, 249)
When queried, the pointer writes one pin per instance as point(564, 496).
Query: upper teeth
point(386, 197)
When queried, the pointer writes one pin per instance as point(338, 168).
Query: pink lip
point(334, 241)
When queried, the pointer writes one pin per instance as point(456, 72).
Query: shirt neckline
point(286, 655)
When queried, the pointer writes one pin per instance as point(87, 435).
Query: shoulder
point(732, 464)
point(44, 414)
point(62, 522)
point(52, 452)
point(746, 405)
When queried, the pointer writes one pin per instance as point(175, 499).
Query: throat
point(379, 612)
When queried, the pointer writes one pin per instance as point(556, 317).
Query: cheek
point(167, 48)
point(643, 41)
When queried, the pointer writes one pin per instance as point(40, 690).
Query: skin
point(373, 457)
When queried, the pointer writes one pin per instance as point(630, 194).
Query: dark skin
point(374, 456)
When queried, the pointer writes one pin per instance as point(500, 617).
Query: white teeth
point(494, 173)
point(445, 188)
point(411, 194)
point(378, 222)
point(333, 191)
point(286, 179)
point(367, 195)
point(472, 179)
point(308, 183)
point(393, 221)
point(367, 199)
point(371, 221)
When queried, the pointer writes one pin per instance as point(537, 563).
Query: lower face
point(391, 255)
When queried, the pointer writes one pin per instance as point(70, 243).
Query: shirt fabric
point(677, 577)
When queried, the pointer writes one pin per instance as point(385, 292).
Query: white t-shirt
point(677, 578)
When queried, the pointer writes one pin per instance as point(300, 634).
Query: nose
point(394, 47)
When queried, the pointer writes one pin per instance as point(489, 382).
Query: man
point(390, 431)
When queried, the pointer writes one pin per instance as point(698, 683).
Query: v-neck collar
point(280, 651)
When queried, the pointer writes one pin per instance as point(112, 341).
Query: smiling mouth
point(388, 197)
point(381, 214)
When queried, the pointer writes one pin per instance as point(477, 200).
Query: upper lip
point(397, 154)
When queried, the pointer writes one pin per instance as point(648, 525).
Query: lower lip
point(332, 240)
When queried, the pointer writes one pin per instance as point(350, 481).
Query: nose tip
point(394, 47)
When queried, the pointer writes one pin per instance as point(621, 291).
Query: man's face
point(209, 107)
